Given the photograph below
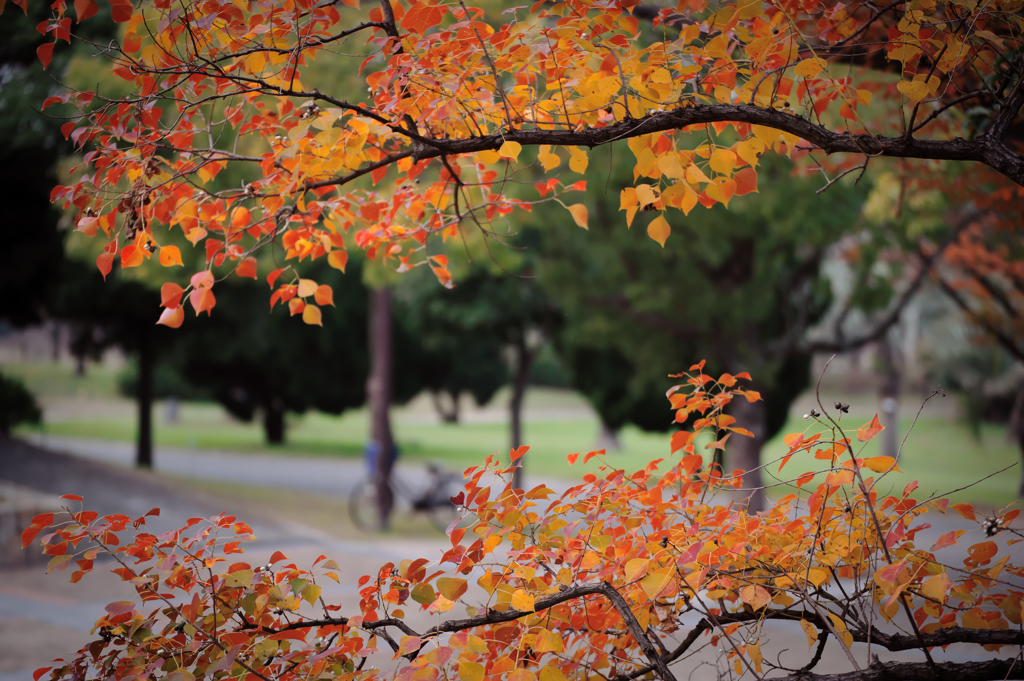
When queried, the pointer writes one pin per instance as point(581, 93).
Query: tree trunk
point(147, 364)
point(523, 359)
point(1017, 430)
point(273, 422)
point(378, 393)
point(446, 415)
point(608, 439)
point(890, 393)
point(745, 452)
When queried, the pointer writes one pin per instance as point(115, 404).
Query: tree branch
point(986, 149)
point(921, 671)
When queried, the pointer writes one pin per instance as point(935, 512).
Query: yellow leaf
point(809, 68)
point(841, 629)
point(577, 159)
point(881, 464)
point(442, 604)
point(170, 255)
point(549, 642)
point(471, 671)
point(659, 230)
point(936, 587)
point(510, 150)
point(451, 587)
point(755, 596)
point(750, 150)
point(915, 90)
point(723, 161)
point(311, 592)
point(654, 584)
point(812, 633)
point(670, 166)
point(817, 576)
point(695, 174)
point(551, 674)
point(522, 601)
point(645, 195)
point(636, 568)
point(307, 287)
point(547, 159)
point(754, 652)
point(488, 156)
point(579, 214)
point(311, 315)
point(337, 259)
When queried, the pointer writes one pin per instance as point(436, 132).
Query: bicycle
point(434, 500)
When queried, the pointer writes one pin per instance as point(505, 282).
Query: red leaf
point(948, 539)
point(247, 268)
point(72, 497)
point(272, 277)
point(278, 556)
point(571, 458)
point(121, 10)
point(870, 430)
point(39, 672)
point(45, 54)
point(518, 453)
point(105, 262)
point(459, 499)
point(202, 300)
point(85, 9)
point(29, 534)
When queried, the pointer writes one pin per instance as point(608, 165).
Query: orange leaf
point(169, 255)
point(881, 464)
point(680, 439)
point(337, 259)
point(131, 256)
point(659, 230)
point(173, 316)
point(746, 181)
point(240, 218)
point(311, 315)
point(579, 214)
point(170, 294)
point(571, 458)
point(247, 268)
point(870, 430)
point(966, 510)
point(324, 296)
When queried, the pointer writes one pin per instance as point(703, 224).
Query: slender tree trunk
point(378, 391)
point(446, 415)
point(523, 363)
point(745, 452)
point(1017, 430)
point(608, 439)
point(273, 422)
point(147, 364)
point(891, 379)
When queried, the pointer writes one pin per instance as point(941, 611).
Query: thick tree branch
point(986, 149)
point(988, 670)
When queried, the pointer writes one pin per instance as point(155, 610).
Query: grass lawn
point(941, 453)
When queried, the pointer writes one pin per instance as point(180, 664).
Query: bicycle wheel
point(363, 508)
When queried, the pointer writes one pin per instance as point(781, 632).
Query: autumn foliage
point(460, 115)
point(624, 576)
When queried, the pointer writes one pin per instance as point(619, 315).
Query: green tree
point(739, 287)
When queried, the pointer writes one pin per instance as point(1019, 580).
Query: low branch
point(987, 670)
